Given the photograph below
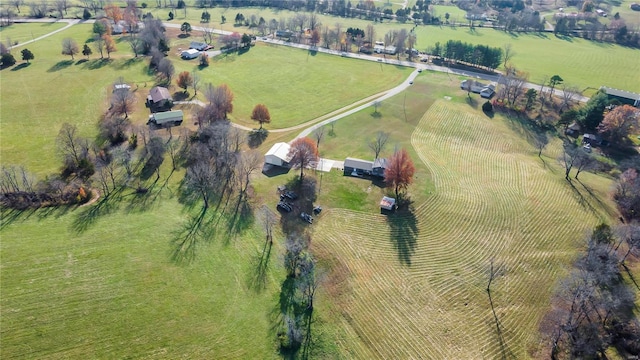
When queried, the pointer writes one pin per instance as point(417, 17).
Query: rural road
point(360, 105)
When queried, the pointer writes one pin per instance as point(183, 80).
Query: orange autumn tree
point(399, 171)
point(261, 114)
point(303, 153)
point(113, 12)
point(620, 122)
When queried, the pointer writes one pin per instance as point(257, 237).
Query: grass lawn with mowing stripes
point(423, 274)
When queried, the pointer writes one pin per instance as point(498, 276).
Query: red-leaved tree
point(620, 122)
point(303, 153)
point(261, 114)
point(399, 171)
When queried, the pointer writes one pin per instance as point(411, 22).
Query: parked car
point(317, 209)
point(288, 195)
point(284, 206)
point(306, 217)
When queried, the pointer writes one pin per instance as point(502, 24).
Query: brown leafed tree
point(221, 100)
point(109, 45)
point(315, 37)
point(303, 153)
point(261, 114)
point(399, 171)
point(620, 122)
point(113, 12)
point(70, 47)
point(184, 80)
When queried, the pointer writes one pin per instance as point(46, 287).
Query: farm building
point(200, 46)
point(278, 155)
point(625, 97)
point(159, 99)
point(165, 119)
point(190, 54)
point(387, 203)
point(357, 167)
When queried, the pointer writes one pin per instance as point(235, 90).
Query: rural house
point(159, 99)
point(379, 165)
point(278, 155)
point(357, 167)
point(625, 97)
point(164, 120)
point(485, 91)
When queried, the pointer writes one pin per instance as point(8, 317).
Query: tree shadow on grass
point(257, 137)
point(9, 216)
point(584, 201)
point(121, 65)
point(96, 64)
point(21, 66)
point(260, 264)
point(188, 237)
point(60, 65)
point(88, 216)
point(404, 233)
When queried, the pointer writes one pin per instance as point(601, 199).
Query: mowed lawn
point(586, 64)
point(21, 33)
point(422, 275)
point(295, 85)
point(78, 287)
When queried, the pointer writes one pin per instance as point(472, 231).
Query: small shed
point(166, 119)
point(190, 54)
point(278, 155)
point(387, 203)
point(357, 167)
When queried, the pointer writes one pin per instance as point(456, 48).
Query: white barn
point(278, 155)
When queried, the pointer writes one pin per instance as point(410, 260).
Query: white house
point(278, 155)
point(190, 54)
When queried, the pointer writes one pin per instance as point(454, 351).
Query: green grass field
point(25, 32)
point(422, 275)
point(100, 282)
point(294, 85)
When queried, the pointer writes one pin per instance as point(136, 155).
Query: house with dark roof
point(357, 167)
point(159, 99)
point(624, 97)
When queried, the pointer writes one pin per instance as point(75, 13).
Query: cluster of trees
point(477, 55)
point(20, 190)
point(627, 195)
point(593, 307)
point(303, 280)
point(7, 59)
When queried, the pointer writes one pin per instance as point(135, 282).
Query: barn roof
point(280, 150)
point(358, 164)
point(167, 116)
point(621, 93)
point(159, 93)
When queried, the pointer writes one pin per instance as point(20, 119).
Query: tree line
point(592, 309)
point(477, 55)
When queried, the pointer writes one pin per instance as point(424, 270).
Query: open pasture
point(423, 274)
point(25, 32)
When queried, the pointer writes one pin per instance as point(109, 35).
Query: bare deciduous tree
point(378, 144)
